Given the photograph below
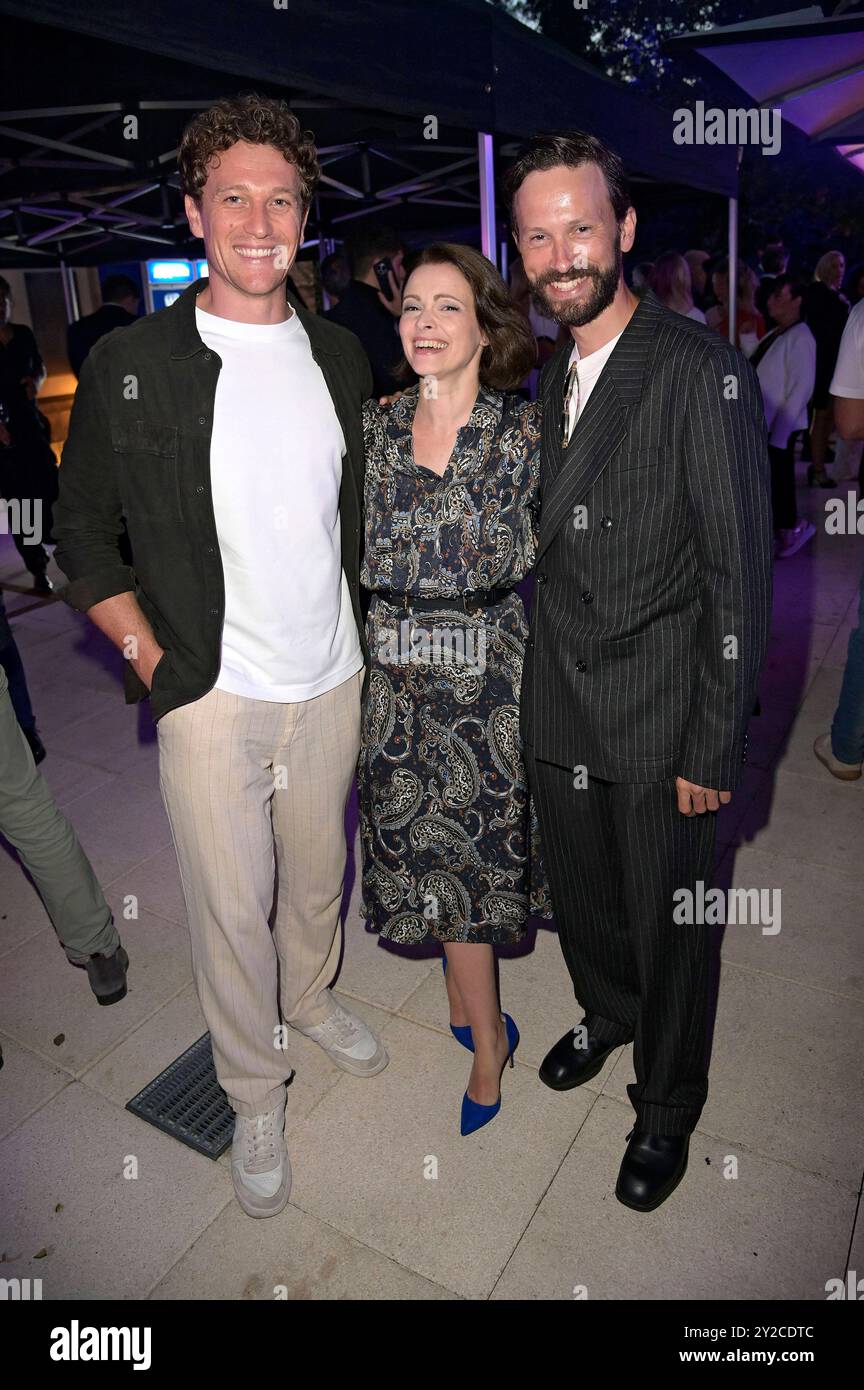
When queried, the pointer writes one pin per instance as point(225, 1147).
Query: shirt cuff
point(90, 589)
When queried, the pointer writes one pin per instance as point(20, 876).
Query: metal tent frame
point(71, 186)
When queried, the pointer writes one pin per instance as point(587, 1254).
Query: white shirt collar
point(597, 358)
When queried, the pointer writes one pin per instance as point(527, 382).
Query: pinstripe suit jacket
point(653, 597)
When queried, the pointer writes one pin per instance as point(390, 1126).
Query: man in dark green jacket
point(227, 432)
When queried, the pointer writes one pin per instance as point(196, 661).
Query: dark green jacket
point(139, 448)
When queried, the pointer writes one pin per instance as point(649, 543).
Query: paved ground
point(523, 1210)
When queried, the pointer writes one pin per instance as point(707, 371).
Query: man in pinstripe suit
point(650, 623)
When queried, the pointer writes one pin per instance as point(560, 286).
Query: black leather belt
point(470, 602)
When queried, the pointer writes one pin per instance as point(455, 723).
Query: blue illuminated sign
point(169, 272)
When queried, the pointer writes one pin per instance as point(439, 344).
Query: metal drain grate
point(187, 1102)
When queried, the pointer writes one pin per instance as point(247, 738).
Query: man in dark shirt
point(232, 376)
point(365, 310)
point(119, 309)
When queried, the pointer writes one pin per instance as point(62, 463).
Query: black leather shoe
point(566, 1065)
point(108, 976)
point(651, 1169)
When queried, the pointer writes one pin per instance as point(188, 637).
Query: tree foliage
point(624, 38)
point(807, 193)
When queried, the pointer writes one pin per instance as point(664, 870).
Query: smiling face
point(439, 330)
point(251, 219)
point(570, 241)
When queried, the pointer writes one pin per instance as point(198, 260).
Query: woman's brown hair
point(512, 350)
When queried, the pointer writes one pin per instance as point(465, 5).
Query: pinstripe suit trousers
point(615, 852)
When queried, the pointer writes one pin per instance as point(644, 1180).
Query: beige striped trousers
point(255, 793)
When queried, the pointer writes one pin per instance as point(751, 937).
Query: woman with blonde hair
point(749, 323)
point(673, 285)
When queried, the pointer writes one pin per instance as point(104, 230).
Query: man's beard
point(575, 313)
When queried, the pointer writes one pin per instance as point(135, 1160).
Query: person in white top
point(785, 363)
point(847, 389)
point(280, 730)
point(842, 750)
point(847, 384)
point(242, 468)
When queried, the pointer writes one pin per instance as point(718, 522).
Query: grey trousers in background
point(48, 847)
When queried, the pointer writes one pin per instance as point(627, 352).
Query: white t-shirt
point(276, 468)
point(589, 370)
point(848, 379)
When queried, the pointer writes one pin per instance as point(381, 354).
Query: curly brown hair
point(512, 350)
point(257, 120)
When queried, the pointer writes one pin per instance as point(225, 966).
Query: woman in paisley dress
point(448, 835)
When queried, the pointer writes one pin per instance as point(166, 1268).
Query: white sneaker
point(844, 772)
point(351, 1045)
point(260, 1167)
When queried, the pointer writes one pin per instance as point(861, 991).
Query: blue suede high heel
point(462, 1033)
point(475, 1116)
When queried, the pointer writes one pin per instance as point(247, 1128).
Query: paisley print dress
point(448, 834)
